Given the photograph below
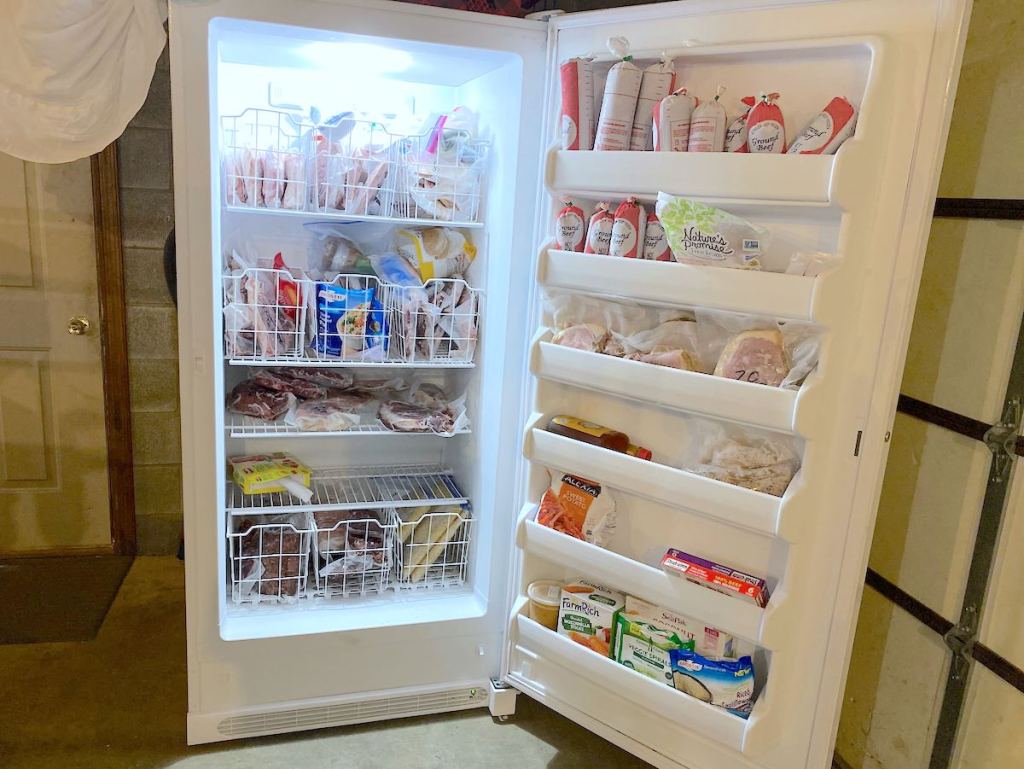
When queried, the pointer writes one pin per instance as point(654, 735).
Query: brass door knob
point(78, 325)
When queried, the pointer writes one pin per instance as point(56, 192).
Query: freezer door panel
point(869, 205)
point(253, 671)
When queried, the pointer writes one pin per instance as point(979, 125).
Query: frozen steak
point(429, 396)
point(327, 415)
point(252, 400)
point(410, 418)
point(300, 388)
point(324, 377)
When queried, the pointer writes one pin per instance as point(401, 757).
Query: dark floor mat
point(57, 599)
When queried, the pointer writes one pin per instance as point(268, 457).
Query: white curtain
point(73, 73)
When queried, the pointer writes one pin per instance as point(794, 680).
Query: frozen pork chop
point(755, 356)
point(300, 388)
point(254, 401)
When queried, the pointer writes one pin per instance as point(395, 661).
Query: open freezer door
point(869, 207)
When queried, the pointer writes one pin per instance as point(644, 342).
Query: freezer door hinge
point(961, 639)
point(501, 699)
point(1001, 439)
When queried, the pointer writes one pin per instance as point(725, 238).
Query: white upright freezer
point(427, 622)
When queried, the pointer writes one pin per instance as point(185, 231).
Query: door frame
point(106, 202)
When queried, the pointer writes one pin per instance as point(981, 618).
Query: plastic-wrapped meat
point(359, 198)
point(254, 401)
point(679, 359)
point(326, 415)
point(583, 336)
point(761, 465)
point(324, 377)
point(272, 177)
point(429, 395)
point(300, 388)
point(378, 385)
point(410, 418)
point(275, 333)
point(337, 530)
point(773, 479)
point(294, 196)
point(354, 400)
point(278, 551)
point(755, 356)
point(244, 169)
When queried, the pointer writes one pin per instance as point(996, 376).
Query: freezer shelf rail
point(356, 487)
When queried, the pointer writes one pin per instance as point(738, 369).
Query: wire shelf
point(354, 551)
point(432, 548)
point(356, 487)
point(265, 156)
point(269, 558)
point(309, 360)
point(242, 426)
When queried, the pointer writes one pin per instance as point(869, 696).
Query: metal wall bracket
point(1001, 439)
point(961, 640)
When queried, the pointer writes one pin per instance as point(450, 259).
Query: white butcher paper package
point(658, 82)
point(701, 234)
point(759, 350)
point(752, 459)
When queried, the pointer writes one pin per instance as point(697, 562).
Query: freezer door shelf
point(671, 284)
point(770, 407)
point(704, 175)
point(301, 217)
point(668, 485)
point(729, 614)
point(356, 487)
point(242, 426)
point(546, 663)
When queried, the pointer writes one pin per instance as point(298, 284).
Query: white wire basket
point(432, 547)
point(265, 314)
point(438, 323)
point(269, 558)
point(362, 169)
point(265, 156)
point(348, 319)
point(354, 551)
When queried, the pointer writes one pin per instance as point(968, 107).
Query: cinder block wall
point(147, 216)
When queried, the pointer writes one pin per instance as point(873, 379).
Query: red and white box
point(721, 579)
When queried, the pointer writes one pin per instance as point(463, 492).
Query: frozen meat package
point(829, 129)
point(701, 234)
point(618, 107)
point(658, 82)
point(577, 119)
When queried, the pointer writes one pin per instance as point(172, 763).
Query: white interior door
point(53, 447)
point(869, 205)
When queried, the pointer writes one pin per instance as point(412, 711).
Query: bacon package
point(599, 233)
point(621, 90)
point(569, 228)
point(672, 117)
point(628, 230)
point(736, 136)
point(766, 129)
point(707, 126)
point(577, 123)
point(655, 242)
point(658, 81)
point(830, 128)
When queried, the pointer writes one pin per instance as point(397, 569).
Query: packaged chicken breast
point(736, 136)
point(569, 232)
point(707, 126)
point(766, 129)
point(628, 230)
point(671, 121)
point(577, 123)
point(830, 128)
point(657, 83)
point(621, 90)
point(599, 232)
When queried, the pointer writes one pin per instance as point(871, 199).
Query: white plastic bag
point(741, 456)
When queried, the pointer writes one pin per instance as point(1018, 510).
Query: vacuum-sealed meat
point(428, 395)
point(327, 415)
point(353, 400)
point(300, 388)
point(678, 359)
point(324, 377)
point(251, 400)
point(755, 356)
point(410, 418)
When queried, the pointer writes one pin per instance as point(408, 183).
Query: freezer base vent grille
point(341, 714)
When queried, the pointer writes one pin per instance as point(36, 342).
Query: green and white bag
point(701, 234)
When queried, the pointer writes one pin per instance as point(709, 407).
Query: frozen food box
point(707, 640)
point(643, 642)
point(587, 614)
point(266, 473)
point(721, 579)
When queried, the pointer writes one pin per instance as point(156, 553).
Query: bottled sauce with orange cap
point(596, 435)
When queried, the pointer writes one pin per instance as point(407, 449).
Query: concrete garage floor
point(118, 702)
